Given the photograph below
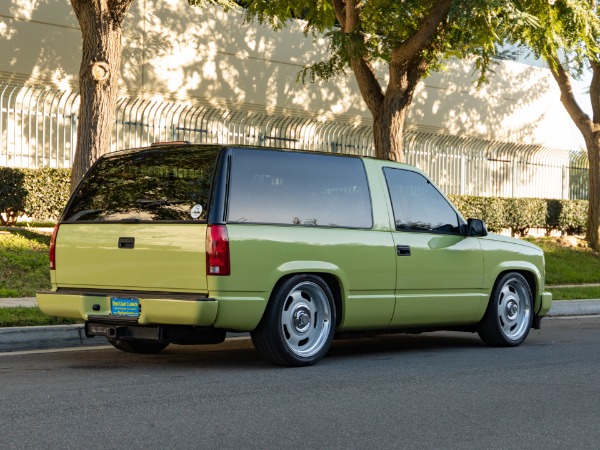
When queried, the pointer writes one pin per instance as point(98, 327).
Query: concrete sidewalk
point(15, 302)
point(28, 338)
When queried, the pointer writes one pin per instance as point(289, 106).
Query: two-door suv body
point(181, 243)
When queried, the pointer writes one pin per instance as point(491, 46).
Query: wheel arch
point(532, 281)
point(508, 320)
point(332, 281)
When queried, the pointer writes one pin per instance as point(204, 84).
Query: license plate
point(125, 307)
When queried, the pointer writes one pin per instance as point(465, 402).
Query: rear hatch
point(138, 222)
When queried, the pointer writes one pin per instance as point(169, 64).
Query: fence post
point(515, 175)
point(463, 174)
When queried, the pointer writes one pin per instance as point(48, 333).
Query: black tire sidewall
point(489, 327)
point(271, 328)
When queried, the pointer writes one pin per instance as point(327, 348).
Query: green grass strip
point(568, 265)
point(575, 293)
point(25, 317)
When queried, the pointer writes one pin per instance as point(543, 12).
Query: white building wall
point(488, 141)
point(174, 51)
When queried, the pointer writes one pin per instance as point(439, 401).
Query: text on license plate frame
point(125, 306)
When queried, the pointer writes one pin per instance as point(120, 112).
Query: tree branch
point(418, 41)
point(595, 90)
point(567, 98)
point(352, 16)
point(370, 89)
point(338, 7)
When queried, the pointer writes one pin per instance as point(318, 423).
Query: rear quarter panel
point(363, 261)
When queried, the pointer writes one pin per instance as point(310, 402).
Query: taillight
point(217, 250)
point(53, 248)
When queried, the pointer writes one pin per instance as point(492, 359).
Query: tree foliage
point(101, 23)
point(568, 38)
point(409, 38)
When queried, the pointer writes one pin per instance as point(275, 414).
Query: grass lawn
point(575, 293)
point(568, 265)
point(24, 264)
point(24, 317)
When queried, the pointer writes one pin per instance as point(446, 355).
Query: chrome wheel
point(298, 324)
point(509, 315)
point(306, 319)
point(514, 309)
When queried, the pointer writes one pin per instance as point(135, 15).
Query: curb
point(54, 336)
point(61, 336)
point(574, 308)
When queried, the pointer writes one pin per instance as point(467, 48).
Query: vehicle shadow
point(403, 343)
point(240, 353)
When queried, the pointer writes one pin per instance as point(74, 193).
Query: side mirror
point(476, 227)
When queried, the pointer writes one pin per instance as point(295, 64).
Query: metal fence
point(38, 129)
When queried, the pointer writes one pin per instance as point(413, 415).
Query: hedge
point(38, 193)
point(42, 194)
point(521, 214)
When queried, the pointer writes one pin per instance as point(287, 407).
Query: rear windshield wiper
point(143, 203)
point(81, 214)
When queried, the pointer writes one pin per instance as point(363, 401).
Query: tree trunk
point(593, 222)
point(100, 22)
point(590, 130)
point(388, 130)
point(407, 66)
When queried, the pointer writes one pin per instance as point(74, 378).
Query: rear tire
point(137, 346)
point(298, 325)
point(509, 315)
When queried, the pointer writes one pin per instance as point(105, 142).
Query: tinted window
point(161, 184)
point(418, 206)
point(288, 188)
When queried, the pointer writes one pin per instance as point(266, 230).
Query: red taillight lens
point(217, 250)
point(53, 248)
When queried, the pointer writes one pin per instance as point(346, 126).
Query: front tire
point(137, 346)
point(298, 325)
point(509, 315)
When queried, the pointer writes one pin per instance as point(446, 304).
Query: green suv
point(182, 243)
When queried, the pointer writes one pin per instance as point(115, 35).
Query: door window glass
point(418, 205)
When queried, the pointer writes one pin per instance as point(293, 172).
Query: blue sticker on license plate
point(128, 307)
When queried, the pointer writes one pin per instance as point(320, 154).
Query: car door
point(439, 270)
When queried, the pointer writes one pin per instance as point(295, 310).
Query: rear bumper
point(155, 308)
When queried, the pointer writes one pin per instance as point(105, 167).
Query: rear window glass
point(161, 184)
point(278, 187)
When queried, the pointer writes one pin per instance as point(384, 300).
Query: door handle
point(126, 242)
point(403, 250)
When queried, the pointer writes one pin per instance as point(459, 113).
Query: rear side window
point(278, 187)
point(160, 184)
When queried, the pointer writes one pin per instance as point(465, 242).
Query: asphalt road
point(440, 390)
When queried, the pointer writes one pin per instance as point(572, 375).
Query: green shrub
point(567, 216)
point(488, 209)
point(12, 195)
point(48, 192)
point(521, 214)
point(39, 193)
